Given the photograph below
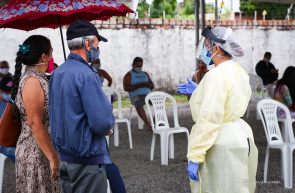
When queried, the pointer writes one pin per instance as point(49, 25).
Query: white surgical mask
point(138, 69)
point(4, 71)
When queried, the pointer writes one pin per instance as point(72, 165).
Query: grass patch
point(180, 99)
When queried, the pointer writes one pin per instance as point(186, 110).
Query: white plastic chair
point(108, 92)
point(161, 125)
point(256, 84)
point(271, 90)
point(139, 120)
point(2, 162)
point(267, 109)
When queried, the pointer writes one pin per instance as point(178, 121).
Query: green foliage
point(180, 99)
point(209, 7)
point(188, 9)
point(158, 6)
point(274, 10)
point(143, 8)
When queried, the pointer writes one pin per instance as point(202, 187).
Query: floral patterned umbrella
point(29, 14)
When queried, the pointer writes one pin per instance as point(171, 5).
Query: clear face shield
point(207, 39)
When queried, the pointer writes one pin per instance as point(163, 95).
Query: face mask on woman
point(6, 97)
point(205, 56)
point(50, 65)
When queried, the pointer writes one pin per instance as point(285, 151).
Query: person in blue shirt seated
point(138, 83)
point(5, 97)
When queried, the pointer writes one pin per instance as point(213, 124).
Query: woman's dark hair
point(288, 79)
point(137, 59)
point(38, 46)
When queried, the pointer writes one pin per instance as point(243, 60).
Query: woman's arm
point(198, 76)
point(33, 97)
point(286, 96)
point(108, 77)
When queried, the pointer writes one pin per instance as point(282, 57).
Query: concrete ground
point(142, 175)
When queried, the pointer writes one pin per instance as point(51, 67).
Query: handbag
point(10, 128)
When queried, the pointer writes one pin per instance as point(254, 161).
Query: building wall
point(168, 50)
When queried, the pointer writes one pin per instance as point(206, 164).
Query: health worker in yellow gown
point(222, 154)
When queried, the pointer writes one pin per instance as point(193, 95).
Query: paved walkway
point(141, 175)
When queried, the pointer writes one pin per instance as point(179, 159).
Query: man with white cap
point(80, 114)
point(221, 151)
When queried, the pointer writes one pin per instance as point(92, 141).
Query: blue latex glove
point(192, 170)
point(187, 88)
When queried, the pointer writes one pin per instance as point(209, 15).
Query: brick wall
point(148, 23)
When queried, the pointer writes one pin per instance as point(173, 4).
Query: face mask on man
point(138, 69)
point(266, 60)
point(6, 97)
point(93, 54)
point(4, 71)
point(97, 66)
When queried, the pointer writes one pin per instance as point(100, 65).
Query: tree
point(274, 10)
point(143, 8)
point(158, 6)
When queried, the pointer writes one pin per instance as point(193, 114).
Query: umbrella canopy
point(28, 15)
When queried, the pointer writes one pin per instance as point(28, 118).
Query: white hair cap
point(231, 45)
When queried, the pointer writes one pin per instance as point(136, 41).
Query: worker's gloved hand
point(187, 88)
point(192, 170)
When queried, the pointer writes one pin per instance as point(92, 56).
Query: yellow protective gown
point(217, 140)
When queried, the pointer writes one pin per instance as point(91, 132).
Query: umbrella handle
point(62, 39)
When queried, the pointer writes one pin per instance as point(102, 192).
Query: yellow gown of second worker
point(217, 140)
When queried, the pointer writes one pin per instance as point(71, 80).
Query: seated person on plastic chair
point(138, 83)
point(5, 89)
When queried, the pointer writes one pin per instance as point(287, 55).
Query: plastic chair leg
point(290, 168)
point(129, 134)
point(286, 168)
point(164, 149)
point(248, 110)
point(282, 166)
point(116, 135)
point(140, 122)
point(266, 165)
point(130, 113)
point(171, 146)
point(109, 189)
point(285, 131)
point(257, 115)
point(2, 162)
point(153, 146)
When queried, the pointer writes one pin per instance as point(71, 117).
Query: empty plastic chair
point(161, 124)
point(108, 92)
point(267, 109)
point(256, 87)
point(271, 90)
